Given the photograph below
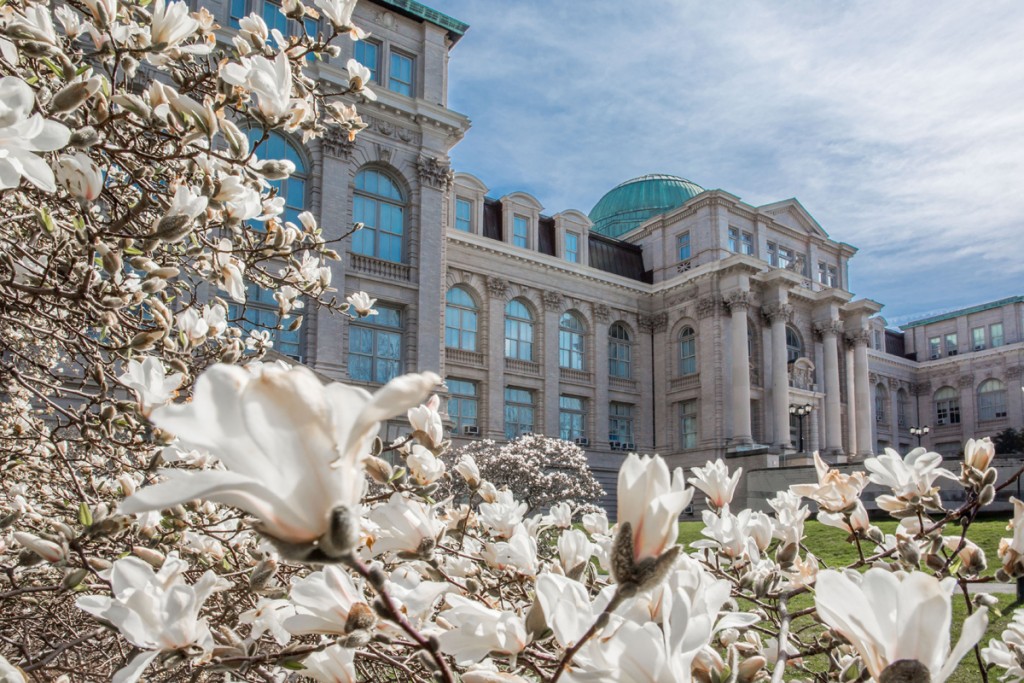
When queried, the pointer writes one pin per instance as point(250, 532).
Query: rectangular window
point(400, 74)
point(572, 247)
point(734, 240)
point(951, 344)
point(463, 215)
point(260, 312)
point(367, 53)
point(773, 254)
point(462, 404)
point(978, 338)
point(520, 232)
point(571, 418)
point(934, 347)
point(375, 346)
point(995, 334)
point(620, 423)
point(747, 243)
point(237, 11)
point(688, 424)
point(683, 246)
point(828, 275)
point(518, 412)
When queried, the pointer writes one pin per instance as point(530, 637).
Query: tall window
point(520, 232)
point(571, 418)
point(572, 247)
point(995, 334)
point(951, 348)
point(828, 275)
point(880, 403)
point(740, 241)
point(518, 331)
point(400, 74)
point(518, 412)
point(460, 320)
point(380, 207)
point(991, 400)
point(620, 351)
point(978, 338)
point(902, 403)
point(947, 406)
point(794, 345)
point(687, 351)
point(462, 404)
point(292, 188)
point(620, 423)
point(688, 424)
point(570, 342)
point(367, 53)
point(375, 346)
point(463, 215)
point(260, 312)
point(683, 246)
point(934, 347)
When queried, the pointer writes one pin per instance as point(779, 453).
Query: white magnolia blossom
point(910, 479)
point(228, 271)
point(358, 76)
point(149, 379)
point(80, 176)
point(851, 520)
point(468, 470)
point(155, 611)
point(1008, 651)
point(477, 630)
point(714, 480)
point(327, 602)
point(362, 303)
point(518, 554)
point(790, 516)
point(503, 515)
point(978, 453)
point(23, 135)
point(835, 491)
point(339, 13)
point(651, 500)
point(293, 447)
point(406, 526)
point(596, 523)
point(269, 80)
point(269, 616)
point(425, 420)
point(574, 550)
point(891, 616)
point(425, 467)
point(1011, 550)
point(335, 664)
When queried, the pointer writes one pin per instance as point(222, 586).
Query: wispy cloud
point(898, 125)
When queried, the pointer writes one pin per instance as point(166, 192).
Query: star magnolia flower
point(574, 550)
point(1011, 550)
point(228, 271)
point(1006, 653)
point(858, 519)
point(714, 480)
point(270, 81)
point(791, 517)
point(651, 500)
point(157, 612)
point(978, 453)
point(596, 523)
point(426, 422)
point(171, 23)
point(519, 553)
point(834, 491)
point(358, 76)
point(327, 602)
point(406, 526)
point(890, 616)
point(362, 303)
point(24, 134)
point(293, 448)
point(335, 664)
point(469, 471)
point(424, 466)
point(150, 381)
point(478, 630)
point(80, 176)
point(503, 515)
point(269, 615)
point(339, 13)
point(910, 479)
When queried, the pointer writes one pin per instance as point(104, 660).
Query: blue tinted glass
point(367, 54)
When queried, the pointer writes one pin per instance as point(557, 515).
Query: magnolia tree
point(174, 508)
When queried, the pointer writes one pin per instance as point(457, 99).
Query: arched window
point(687, 351)
point(620, 351)
point(902, 403)
point(518, 331)
point(880, 400)
point(794, 345)
point(292, 188)
point(380, 206)
point(570, 342)
point(947, 406)
point(991, 400)
point(459, 320)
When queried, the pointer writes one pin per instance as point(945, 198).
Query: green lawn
point(830, 546)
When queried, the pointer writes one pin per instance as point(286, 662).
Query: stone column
point(829, 331)
point(968, 403)
point(851, 405)
point(598, 427)
point(862, 391)
point(497, 290)
point(738, 302)
point(645, 376)
point(436, 177)
point(894, 414)
point(779, 314)
point(1014, 395)
point(546, 415)
point(661, 424)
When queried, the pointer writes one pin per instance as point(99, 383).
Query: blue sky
point(898, 125)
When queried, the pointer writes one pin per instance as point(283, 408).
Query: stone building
point(669, 319)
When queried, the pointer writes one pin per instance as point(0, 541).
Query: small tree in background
point(539, 470)
point(1009, 440)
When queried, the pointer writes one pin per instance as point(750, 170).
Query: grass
point(830, 546)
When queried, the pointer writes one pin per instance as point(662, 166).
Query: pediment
point(791, 213)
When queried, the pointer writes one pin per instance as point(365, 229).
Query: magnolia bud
point(72, 96)
point(987, 495)
point(151, 557)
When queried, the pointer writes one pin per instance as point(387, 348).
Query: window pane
point(463, 215)
point(367, 53)
point(400, 78)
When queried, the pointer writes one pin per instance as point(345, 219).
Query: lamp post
point(919, 432)
point(801, 412)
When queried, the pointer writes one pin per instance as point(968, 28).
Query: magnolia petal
point(132, 671)
point(973, 630)
point(37, 171)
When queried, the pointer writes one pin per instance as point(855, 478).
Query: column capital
point(1013, 372)
point(829, 327)
point(738, 300)
point(435, 172)
point(966, 381)
point(654, 323)
point(601, 313)
point(777, 312)
point(921, 388)
point(497, 287)
point(552, 300)
point(707, 306)
point(858, 337)
point(337, 143)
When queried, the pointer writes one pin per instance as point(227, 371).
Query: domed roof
point(629, 204)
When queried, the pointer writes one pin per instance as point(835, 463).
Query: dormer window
point(572, 247)
point(463, 215)
point(520, 232)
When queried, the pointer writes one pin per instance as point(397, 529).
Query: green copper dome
point(631, 203)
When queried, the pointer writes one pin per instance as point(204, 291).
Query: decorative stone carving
point(552, 301)
point(857, 337)
point(801, 374)
point(738, 300)
point(435, 172)
point(601, 313)
point(827, 327)
point(777, 311)
point(654, 323)
point(966, 381)
point(335, 143)
point(921, 389)
point(497, 287)
point(872, 378)
point(384, 153)
point(1013, 372)
point(894, 384)
point(707, 306)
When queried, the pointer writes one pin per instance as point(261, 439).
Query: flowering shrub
point(173, 508)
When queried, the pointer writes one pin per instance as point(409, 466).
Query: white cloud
point(896, 124)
